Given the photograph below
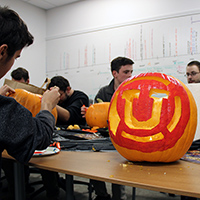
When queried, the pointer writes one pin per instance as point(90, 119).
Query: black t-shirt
point(73, 104)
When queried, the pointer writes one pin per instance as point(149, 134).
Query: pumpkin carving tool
point(83, 105)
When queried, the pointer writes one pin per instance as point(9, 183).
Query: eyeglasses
point(192, 74)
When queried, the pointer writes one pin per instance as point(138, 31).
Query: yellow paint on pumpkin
point(114, 123)
point(169, 155)
point(166, 82)
point(158, 136)
point(177, 114)
point(131, 121)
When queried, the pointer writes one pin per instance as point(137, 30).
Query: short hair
point(118, 62)
point(60, 82)
point(14, 31)
point(195, 62)
point(20, 73)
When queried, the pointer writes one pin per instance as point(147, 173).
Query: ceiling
point(48, 4)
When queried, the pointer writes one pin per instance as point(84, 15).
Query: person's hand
point(50, 99)
point(6, 90)
point(83, 110)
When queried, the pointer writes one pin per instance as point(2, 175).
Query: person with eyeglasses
point(193, 72)
point(193, 76)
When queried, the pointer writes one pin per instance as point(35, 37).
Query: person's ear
point(3, 50)
point(68, 88)
point(114, 73)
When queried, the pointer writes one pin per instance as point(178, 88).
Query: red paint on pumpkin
point(148, 124)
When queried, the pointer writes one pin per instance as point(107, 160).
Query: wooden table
point(181, 177)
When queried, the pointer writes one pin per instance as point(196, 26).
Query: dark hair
point(197, 63)
point(118, 62)
point(20, 73)
point(13, 31)
point(60, 82)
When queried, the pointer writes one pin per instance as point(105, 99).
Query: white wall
point(95, 14)
point(87, 28)
point(82, 17)
point(33, 58)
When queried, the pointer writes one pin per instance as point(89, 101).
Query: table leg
point(133, 194)
point(19, 181)
point(69, 187)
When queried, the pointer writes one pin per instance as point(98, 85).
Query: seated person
point(69, 113)
point(21, 75)
point(121, 69)
point(31, 132)
point(193, 76)
point(70, 102)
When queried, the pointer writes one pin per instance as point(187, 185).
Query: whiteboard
point(160, 45)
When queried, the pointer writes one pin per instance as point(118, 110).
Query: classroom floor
point(81, 191)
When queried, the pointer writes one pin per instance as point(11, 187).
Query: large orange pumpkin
point(30, 101)
point(97, 115)
point(152, 117)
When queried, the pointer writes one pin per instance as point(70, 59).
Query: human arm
point(6, 89)
point(63, 113)
point(73, 106)
point(20, 133)
point(50, 99)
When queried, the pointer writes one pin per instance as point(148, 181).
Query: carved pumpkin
point(152, 117)
point(30, 101)
point(97, 115)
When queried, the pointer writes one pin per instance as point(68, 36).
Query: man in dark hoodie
point(20, 133)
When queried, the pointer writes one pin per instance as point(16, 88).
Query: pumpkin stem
point(99, 100)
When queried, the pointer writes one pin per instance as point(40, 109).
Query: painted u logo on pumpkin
point(148, 111)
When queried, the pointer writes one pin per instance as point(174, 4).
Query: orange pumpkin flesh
point(152, 117)
point(30, 101)
point(97, 115)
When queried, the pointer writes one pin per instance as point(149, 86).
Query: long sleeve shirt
point(20, 133)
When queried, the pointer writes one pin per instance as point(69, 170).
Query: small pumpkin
point(97, 115)
point(152, 117)
point(30, 101)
